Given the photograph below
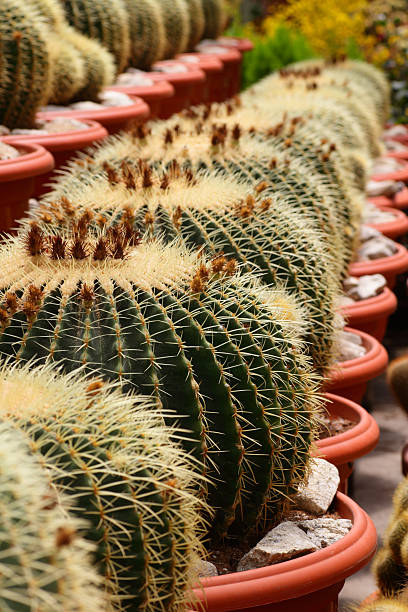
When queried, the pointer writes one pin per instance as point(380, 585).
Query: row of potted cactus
point(196, 262)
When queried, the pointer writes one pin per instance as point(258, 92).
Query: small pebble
point(206, 569)
point(325, 531)
point(8, 152)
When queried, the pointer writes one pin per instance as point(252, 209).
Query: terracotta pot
point(184, 78)
point(63, 146)
point(155, 93)
point(113, 118)
point(371, 315)
point(380, 201)
point(17, 181)
point(400, 200)
point(389, 267)
point(397, 175)
point(342, 450)
point(349, 378)
point(306, 584)
point(395, 228)
point(232, 60)
point(243, 45)
point(399, 154)
point(214, 71)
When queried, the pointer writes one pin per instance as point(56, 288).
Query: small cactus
point(68, 70)
point(25, 70)
point(176, 25)
point(383, 605)
point(105, 21)
point(147, 32)
point(390, 576)
point(222, 357)
point(197, 23)
point(120, 469)
point(215, 18)
point(397, 378)
point(44, 564)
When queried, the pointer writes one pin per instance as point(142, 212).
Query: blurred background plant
point(387, 31)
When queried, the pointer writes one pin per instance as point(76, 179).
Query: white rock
point(283, 542)
point(368, 286)
point(345, 300)
point(387, 164)
point(349, 351)
point(27, 132)
point(63, 124)
point(376, 248)
point(382, 188)
point(115, 98)
point(351, 337)
point(137, 79)
point(367, 233)
point(395, 130)
point(349, 283)
point(7, 151)
point(319, 491)
point(4, 130)
point(206, 569)
point(85, 105)
point(325, 531)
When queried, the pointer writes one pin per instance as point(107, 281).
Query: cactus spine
point(25, 73)
point(235, 372)
point(111, 456)
point(44, 564)
point(105, 21)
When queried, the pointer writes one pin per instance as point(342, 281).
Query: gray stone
point(379, 188)
point(325, 531)
point(375, 249)
point(282, 543)
point(318, 493)
point(115, 98)
point(7, 151)
point(206, 569)
point(367, 286)
point(367, 232)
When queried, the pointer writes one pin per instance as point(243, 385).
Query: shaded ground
point(377, 474)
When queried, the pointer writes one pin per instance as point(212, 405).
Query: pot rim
point(34, 161)
point(297, 577)
point(157, 91)
point(139, 108)
point(235, 42)
point(395, 228)
point(370, 365)
point(373, 308)
point(397, 175)
point(227, 55)
point(64, 141)
point(396, 263)
point(205, 61)
point(351, 444)
point(191, 75)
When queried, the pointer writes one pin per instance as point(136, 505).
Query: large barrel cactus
point(222, 357)
point(114, 461)
point(25, 71)
point(176, 26)
point(44, 563)
point(218, 212)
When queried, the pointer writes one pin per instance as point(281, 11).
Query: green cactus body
point(51, 11)
point(105, 21)
point(176, 25)
point(111, 456)
point(215, 18)
point(68, 70)
point(220, 212)
point(123, 311)
point(390, 576)
point(197, 23)
point(147, 33)
point(98, 63)
point(44, 564)
point(25, 72)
